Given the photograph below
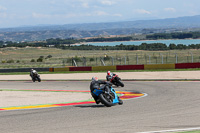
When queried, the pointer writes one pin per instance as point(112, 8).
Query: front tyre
point(39, 79)
point(33, 79)
point(120, 101)
point(105, 100)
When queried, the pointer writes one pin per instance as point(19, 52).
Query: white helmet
point(94, 79)
point(108, 73)
point(34, 71)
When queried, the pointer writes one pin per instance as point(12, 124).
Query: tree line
point(58, 41)
point(143, 46)
point(193, 35)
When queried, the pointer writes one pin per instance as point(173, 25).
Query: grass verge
point(189, 132)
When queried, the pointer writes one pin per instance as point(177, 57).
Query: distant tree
point(10, 61)
point(32, 60)
point(172, 46)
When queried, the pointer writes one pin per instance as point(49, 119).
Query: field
point(51, 57)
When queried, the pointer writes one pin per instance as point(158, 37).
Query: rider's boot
point(97, 101)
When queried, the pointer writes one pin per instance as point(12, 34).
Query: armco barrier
point(80, 68)
point(111, 68)
point(23, 70)
point(103, 68)
point(64, 69)
point(187, 65)
point(159, 66)
point(51, 69)
point(130, 67)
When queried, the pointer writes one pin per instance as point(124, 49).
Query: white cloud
point(3, 15)
point(118, 15)
point(101, 13)
point(38, 15)
point(52, 2)
point(2, 8)
point(85, 5)
point(69, 15)
point(170, 9)
point(143, 11)
point(107, 2)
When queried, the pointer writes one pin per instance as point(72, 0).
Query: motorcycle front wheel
point(106, 101)
point(39, 79)
point(33, 79)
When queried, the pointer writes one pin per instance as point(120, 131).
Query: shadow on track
point(90, 106)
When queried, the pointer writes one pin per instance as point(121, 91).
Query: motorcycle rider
point(95, 84)
point(109, 75)
point(33, 73)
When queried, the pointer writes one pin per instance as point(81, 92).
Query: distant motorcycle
point(116, 80)
point(36, 77)
point(108, 97)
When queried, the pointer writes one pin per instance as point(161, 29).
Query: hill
point(33, 33)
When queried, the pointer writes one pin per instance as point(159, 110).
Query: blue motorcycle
point(108, 97)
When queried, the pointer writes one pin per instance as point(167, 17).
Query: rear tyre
point(120, 83)
point(105, 100)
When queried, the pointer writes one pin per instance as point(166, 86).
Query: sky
point(15, 13)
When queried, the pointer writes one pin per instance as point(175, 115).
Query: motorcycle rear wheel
point(120, 83)
point(104, 100)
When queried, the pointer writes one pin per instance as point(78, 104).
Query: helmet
point(108, 72)
point(94, 79)
point(31, 69)
point(34, 71)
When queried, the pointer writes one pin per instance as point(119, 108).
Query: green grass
point(22, 57)
point(189, 132)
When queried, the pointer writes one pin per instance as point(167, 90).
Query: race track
point(168, 106)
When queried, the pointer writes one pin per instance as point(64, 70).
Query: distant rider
point(109, 75)
point(33, 73)
point(95, 84)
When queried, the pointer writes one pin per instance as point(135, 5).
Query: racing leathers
point(109, 77)
point(33, 73)
point(96, 85)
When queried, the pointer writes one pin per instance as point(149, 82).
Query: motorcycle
point(107, 97)
point(36, 77)
point(116, 80)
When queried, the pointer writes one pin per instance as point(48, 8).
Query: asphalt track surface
point(169, 105)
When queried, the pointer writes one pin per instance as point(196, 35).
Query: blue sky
point(15, 13)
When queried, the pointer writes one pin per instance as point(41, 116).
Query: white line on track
point(138, 97)
point(174, 130)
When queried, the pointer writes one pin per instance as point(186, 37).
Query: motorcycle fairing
point(116, 97)
point(97, 91)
